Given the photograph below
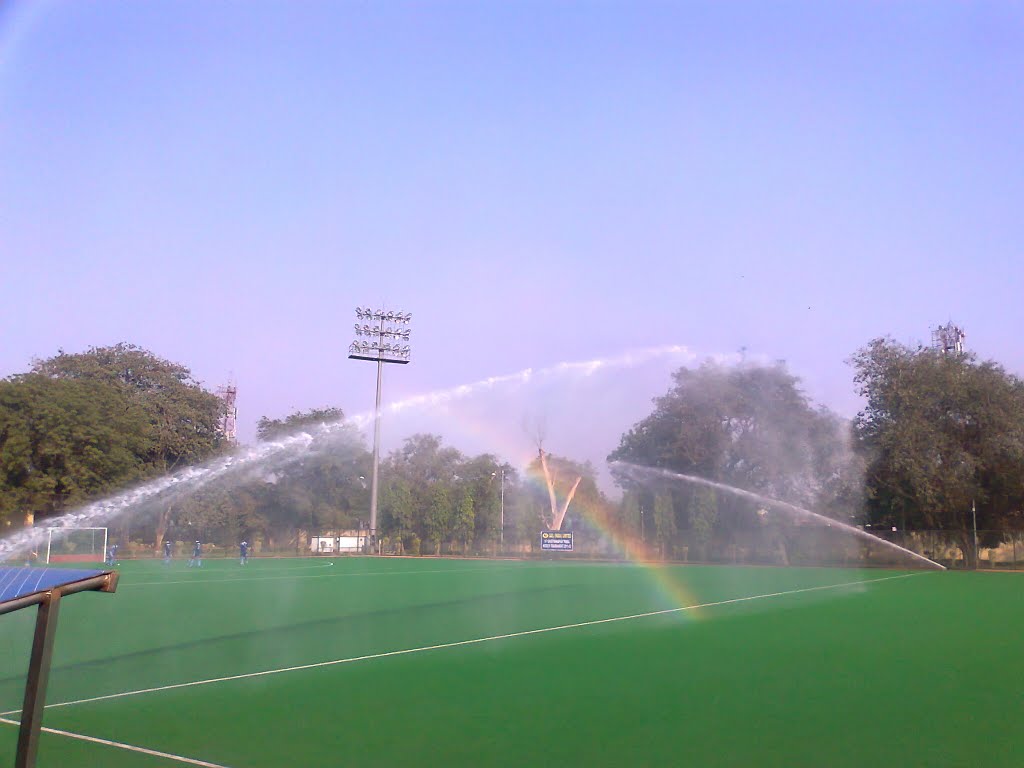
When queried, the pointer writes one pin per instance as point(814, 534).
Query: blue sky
point(224, 182)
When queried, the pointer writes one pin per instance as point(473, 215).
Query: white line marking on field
point(119, 745)
point(333, 575)
point(457, 643)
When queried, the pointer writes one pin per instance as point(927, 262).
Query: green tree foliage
point(439, 515)
point(64, 442)
point(465, 515)
point(431, 492)
point(268, 429)
point(748, 426)
point(481, 478)
point(665, 522)
point(939, 433)
point(183, 417)
point(629, 513)
point(322, 489)
point(319, 489)
point(397, 511)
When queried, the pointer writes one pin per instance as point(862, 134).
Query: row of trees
point(939, 434)
point(78, 427)
point(432, 498)
point(939, 446)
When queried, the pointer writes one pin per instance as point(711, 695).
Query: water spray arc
point(267, 455)
point(381, 349)
point(666, 474)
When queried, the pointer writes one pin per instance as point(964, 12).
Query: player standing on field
point(243, 553)
point(197, 556)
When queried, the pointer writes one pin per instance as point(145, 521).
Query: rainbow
point(667, 579)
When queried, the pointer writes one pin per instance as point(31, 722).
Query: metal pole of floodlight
point(384, 342)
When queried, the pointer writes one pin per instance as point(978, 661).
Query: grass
point(923, 670)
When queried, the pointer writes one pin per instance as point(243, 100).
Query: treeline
point(432, 498)
point(939, 435)
point(939, 447)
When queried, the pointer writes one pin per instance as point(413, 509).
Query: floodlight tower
point(385, 340)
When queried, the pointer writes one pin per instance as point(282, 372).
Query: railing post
point(38, 677)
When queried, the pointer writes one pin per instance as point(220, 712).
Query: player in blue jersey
point(197, 556)
point(111, 554)
point(243, 553)
point(167, 551)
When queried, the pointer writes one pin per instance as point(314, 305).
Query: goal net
point(76, 545)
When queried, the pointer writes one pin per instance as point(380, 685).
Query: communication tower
point(948, 339)
point(228, 413)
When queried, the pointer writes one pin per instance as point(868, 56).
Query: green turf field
point(820, 667)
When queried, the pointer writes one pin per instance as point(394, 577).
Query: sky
point(223, 183)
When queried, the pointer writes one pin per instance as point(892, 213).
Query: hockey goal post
point(76, 545)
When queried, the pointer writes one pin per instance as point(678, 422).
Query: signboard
point(556, 540)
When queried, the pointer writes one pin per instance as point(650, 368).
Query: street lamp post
point(501, 533)
point(385, 340)
point(974, 520)
point(501, 523)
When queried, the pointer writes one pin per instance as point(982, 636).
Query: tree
point(747, 426)
point(438, 520)
point(664, 522)
point(184, 418)
point(481, 476)
point(268, 430)
point(396, 505)
point(629, 513)
point(322, 488)
point(63, 443)
point(556, 472)
point(462, 525)
point(939, 433)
